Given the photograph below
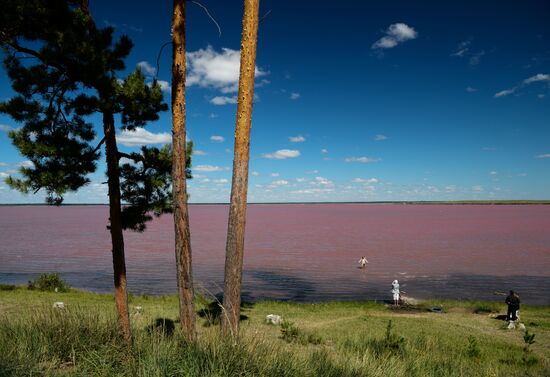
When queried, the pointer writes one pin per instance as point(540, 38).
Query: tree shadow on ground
point(163, 326)
point(213, 312)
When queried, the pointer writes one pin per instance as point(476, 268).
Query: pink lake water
point(301, 252)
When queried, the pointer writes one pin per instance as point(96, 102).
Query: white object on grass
point(274, 319)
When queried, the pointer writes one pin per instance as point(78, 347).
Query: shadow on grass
point(213, 311)
point(405, 308)
point(501, 317)
point(164, 326)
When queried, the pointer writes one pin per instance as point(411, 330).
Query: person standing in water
point(395, 292)
point(363, 262)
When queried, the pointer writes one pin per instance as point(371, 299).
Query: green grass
point(319, 339)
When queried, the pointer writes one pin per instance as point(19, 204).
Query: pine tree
point(64, 69)
point(239, 185)
point(181, 214)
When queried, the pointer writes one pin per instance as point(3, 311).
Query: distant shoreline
point(406, 202)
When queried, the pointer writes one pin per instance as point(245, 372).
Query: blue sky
point(355, 101)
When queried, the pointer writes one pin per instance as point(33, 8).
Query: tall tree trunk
point(239, 186)
point(179, 185)
point(119, 264)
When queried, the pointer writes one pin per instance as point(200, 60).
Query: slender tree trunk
point(179, 185)
point(119, 264)
point(239, 186)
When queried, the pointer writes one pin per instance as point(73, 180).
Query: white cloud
point(4, 175)
point(208, 68)
point(504, 93)
point(322, 181)
point(297, 139)
point(217, 139)
point(368, 181)
point(476, 58)
point(282, 154)
point(125, 160)
point(363, 160)
point(477, 188)
point(140, 136)
point(539, 77)
point(546, 155)
point(294, 95)
point(380, 137)
point(324, 151)
point(275, 174)
point(280, 182)
point(146, 68)
point(207, 168)
point(541, 96)
point(460, 53)
point(223, 100)
point(300, 180)
point(164, 86)
point(199, 153)
point(5, 128)
point(470, 89)
point(395, 34)
point(313, 191)
point(493, 173)
point(263, 82)
point(26, 164)
point(220, 181)
point(462, 49)
point(385, 42)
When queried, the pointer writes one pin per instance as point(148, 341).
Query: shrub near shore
point(322, 339)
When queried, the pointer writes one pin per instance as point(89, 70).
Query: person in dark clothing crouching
point(512, 300)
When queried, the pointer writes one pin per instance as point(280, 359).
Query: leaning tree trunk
point(239, 186)
point(179, 186)
point(119, 264)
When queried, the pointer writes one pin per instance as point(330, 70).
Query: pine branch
point(34, 53)
point(209, 15)
point(99, 144)
point(134, 157)
point(158, 57)
point(264, 16)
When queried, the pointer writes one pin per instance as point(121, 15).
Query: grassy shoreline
point(427, 202)
point(323, 339)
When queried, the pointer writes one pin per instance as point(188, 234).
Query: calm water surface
point(300, 252)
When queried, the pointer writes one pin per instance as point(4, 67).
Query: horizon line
point(460, 201)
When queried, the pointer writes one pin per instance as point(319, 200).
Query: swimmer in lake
point(363, 262)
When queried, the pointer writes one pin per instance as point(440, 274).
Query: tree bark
point(119, 264)
point(239, 186)
point(179, 185)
